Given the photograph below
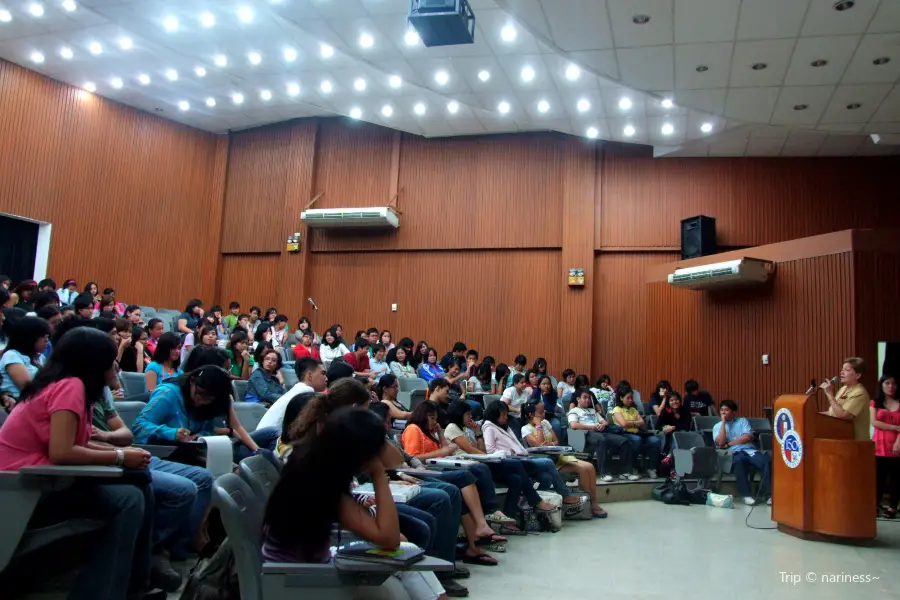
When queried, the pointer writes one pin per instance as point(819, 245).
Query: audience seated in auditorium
point(502, 376)
point(306, 349)
point(386, 339)
point(216, 318)
point(24, 353)
point(51, 425)
point(24, 291)
point(239, 353)
point(660, 396)
point(430, 369)
point(93, 291)
point(387, 389)
point(84, 306)
point(68, 292)
point(673, 417)
point(540, 367)
point(331, 347)
point(53, 316)
point(134, 314)
point(280, 331)
point(234, 312)
point(134, 356)
point(378, 366)
point(457, 354)
point(566, 384)
point(600, 437)
point(311, 378)
point(700, 403)
point(454, 376)
point(166, 361)
point(885, 416)
point(516, 395)
point(532, 381)
point(189, 320)
point(266, 384)
point(107, 304)
point(155, 329)
point(398, 361)
point(733, 433)
point(253, 321)
point(546, 393)
point(292, 410)
point(471, 365)
point(643, 442)
point(482, 382)
point(419, 354)
point(359, 358)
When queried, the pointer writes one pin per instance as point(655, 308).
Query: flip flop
point(490, 539)
point(499, 518)
point(484, 560)
point(512, 530)
point(600, 514)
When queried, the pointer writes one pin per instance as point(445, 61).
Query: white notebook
point(401, 493)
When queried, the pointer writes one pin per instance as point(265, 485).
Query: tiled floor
point(650, 550)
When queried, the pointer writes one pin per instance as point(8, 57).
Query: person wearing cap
point(68, 292)
point(305, 348)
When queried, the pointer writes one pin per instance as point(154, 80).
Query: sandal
point(512, 530)
point(499, 518)
point(485, 560)
point(490, 539)
point(600, 514)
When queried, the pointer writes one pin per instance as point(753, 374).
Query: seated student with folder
point(734, 433)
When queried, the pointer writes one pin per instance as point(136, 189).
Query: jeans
point(512, 472)
point(544, 470)
point(417, 525)
point(266, 438)
point(182, 494)
point(480, 475)
point(119, 559)
point(457, 479)
point(650, 445)
point(602, 443)
point(443, 502)
point(743, 465)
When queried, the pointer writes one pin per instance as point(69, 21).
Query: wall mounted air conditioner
point(340, 218)
point(731, 273)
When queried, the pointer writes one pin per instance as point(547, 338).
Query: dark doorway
point(18, 247)
point(891, 364)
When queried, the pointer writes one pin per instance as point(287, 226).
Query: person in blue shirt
point(733, 433)
point(430, 369)
point(546, 393)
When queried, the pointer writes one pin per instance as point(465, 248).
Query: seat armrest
point(577, 439)
point(71, 471)
point(271, 568)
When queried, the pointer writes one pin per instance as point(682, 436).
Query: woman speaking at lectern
point(852, 400)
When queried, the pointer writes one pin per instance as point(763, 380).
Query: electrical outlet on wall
point(394, 307)
point(765, 359)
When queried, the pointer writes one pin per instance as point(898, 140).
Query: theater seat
point(239, 390)
point(129, 410)
point(491, 398)
point(411, 384)
point(250, 414)
point(290, 378)
point(693, 458)
point(135, 384)
point(416, 398)
point(260, 474)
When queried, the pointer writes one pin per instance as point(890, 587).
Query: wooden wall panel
point(648, 332)
point(877, 288)
point(135, 200)
point(479, 192)
point(755, 201)
point(483, 306)
point(249, 279)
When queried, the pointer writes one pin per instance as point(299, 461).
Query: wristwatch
point(120, 457)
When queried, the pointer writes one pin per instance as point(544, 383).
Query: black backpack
point(672, 493)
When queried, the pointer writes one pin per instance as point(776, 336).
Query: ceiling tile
point(617, 127)
point(886, 18)
point(799, 150)
point(654, 130)
point(557, 66)
point(815, 98)
point(868, 96)
point(862, 69)
point(602, 62)
point(470, 67)
point(763, 147)
point(528, 12)
point(715, 57)
point(727, 147)
point(579, 24)
point(836, 50)
point(697, 119)
point(705, 20)
point(570, 99)
point(751, 104)
point(840, 145)
point(841, 127)
point(775, 54)
point(823, 19)
point(712, 101)
point(647, 67)
point(890, 108)
point(530, 99)
point(513, 67)
point(613, 96)
point(769, 19)
point(655, 32)
point(492, 22)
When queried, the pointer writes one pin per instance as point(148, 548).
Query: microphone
point(812, 386)
point(313, 302)
point(835, 380)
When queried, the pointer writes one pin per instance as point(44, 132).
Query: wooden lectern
point(823, 486)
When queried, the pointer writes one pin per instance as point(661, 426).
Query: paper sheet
point(219, 454)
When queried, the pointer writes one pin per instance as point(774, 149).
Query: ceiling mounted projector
point(442, 22)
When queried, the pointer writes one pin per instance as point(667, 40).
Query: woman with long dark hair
point(132, 360)
point(387, 389)
point(166, 361)
point(430, 369)
point(419, 354)
point(885, 414)
point(398, 360)
point(546, 393)
point(332, 347)
point(266, 384)
point(190, 318)
point(52, 425)
point(23, 356)
point(239, 353)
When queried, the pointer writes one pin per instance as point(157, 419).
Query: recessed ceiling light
point(220, 59)
point(387, 110)
point(355, 113)
point(706, 127)
point(210, 102)
point(484, 75)
point(667, 103)
point(290, 55)
point(573, 72)
point(126, 43)
point(207, 19)
point(508, 33)
point(366, 40)
point(453, 107)
point(184, 106)
point(172, 75)
point(265, 95)
point(66, 52)
point(254, 57)
point(89, 86)
point(143, 79)
point(543, 106)
point(5, 16)
point(640, 19)
point(801, 106)
point(95, 48)
point(245, 14)
point(668, 129)
point(441, 77)
point(200, 71)
point(411, 37)
point(701, 68)
point(625, 103)
point(69, 5)
point(37, 57)
point(419, 109)
point(583, 105)
point(628, 131)
point(237, 98)
point(853, 106)
point(881, 60)
point(395, 81)
point(843, 5)
point(359, 84)
point(326, 87)
point(819, 63)
point(758, 66)
point(36, 10)
point(527, 74)
point(326, 51)
point(293, 89)
point(116, 82)
point(592, 132)
point(170, 23)
point(503, 107)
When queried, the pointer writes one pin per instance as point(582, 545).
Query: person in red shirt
point(359, 358)
point(305, 347)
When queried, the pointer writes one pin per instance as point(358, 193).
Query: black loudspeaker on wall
point(698, 237)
